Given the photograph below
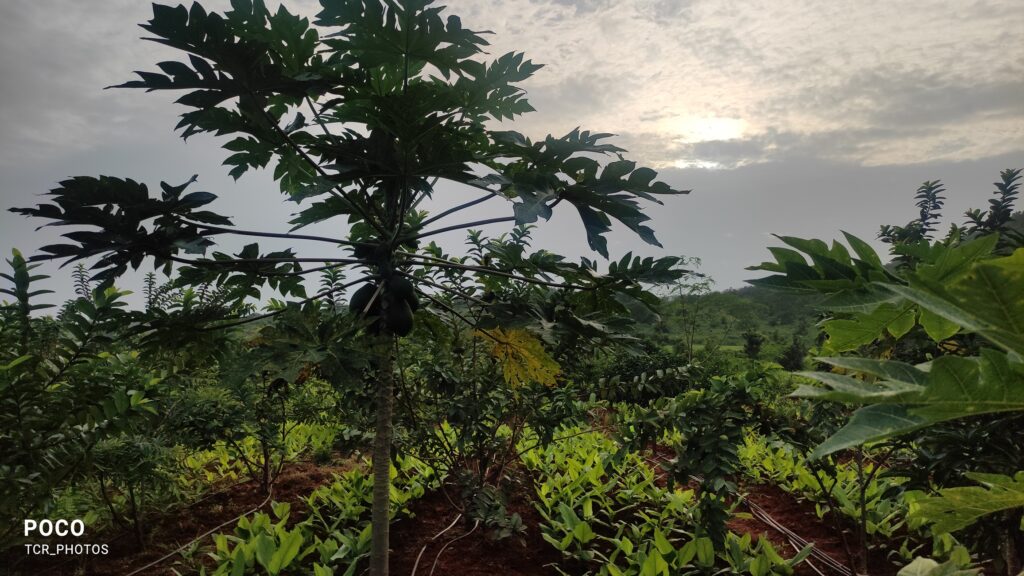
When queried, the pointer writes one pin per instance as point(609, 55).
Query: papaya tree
point(361, 113)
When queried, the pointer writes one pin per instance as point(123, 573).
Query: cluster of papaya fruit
point(400, 296)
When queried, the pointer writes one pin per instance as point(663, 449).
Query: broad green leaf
point(843, 388)
point(890, 370)
point(687, 552)
point(863, 329)
point(801, 555)
point(662, 543)
point(952, 262)
point(868, 424)
point(937, 327)
point(14, 363)
point(291, 542)
point(929, 567)
point(903, 323)
point(956, 508)
point(863, 251)
point(989, 300)
point(863, 300)
point(264, 548)
point(705, 551)
point(956, 387)
point(238, 561)
point(654, 564)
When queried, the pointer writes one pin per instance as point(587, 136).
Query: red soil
point(800, 517)
point(175, 528)
point(472, 555)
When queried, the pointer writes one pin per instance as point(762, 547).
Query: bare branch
point(288, 236)
point(232, 261)
point(461, 294)
point(459, 207)
point(259, 317)
point(431, 261)
point(466, 225)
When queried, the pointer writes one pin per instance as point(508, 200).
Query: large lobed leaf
point(955, 388)
point(522, 357)
point(868, 300)
point(988, 299)
point(128, 224)
point(956, 508)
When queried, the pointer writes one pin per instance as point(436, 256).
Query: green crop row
point(837, 486)
point(333, 538)
point(226, 462)
point(781, 464)
point(603, 508)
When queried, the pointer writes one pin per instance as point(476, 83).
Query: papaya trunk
point(382, 457)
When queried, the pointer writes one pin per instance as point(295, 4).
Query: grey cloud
point(56, 58)
point(915, 97)
point(579, 96)
point(581, 6)
point(661, 10)
point(776, 145)
point(729, 217)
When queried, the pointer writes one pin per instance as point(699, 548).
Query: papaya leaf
point(522, 357)
point(870, 423)
point(956, 388)
point(957, 508)
point(988, 300)
point(863, 329)
point(891, 370)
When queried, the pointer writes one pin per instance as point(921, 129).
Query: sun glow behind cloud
point(694, 129)
point(691, 129)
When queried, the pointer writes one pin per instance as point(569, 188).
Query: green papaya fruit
point(403, 290)
point(413, 301)
point(361, 298)
point(399, 317)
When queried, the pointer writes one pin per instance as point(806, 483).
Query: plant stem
point(440, 263)
point(466, 225)
point(283, 235)
point(459, 208)
point(381, 507)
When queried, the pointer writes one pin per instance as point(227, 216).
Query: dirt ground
point(168, 531)
point(420, 541)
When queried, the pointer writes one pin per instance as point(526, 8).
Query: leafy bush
point(965, 292)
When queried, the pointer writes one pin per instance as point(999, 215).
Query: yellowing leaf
point(522, 357)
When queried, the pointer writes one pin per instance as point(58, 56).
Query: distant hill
point(719, 319)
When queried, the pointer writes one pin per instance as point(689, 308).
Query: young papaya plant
point(362, 112)
point(966, 293)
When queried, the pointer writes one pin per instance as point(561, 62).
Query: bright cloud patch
point(689, 129)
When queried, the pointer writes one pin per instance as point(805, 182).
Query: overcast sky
point(795, 117)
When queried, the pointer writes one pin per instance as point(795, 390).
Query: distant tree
point(793, 356)
point(688, 292)
point(752, 342)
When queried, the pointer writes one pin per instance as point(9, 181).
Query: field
point(354, 396)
